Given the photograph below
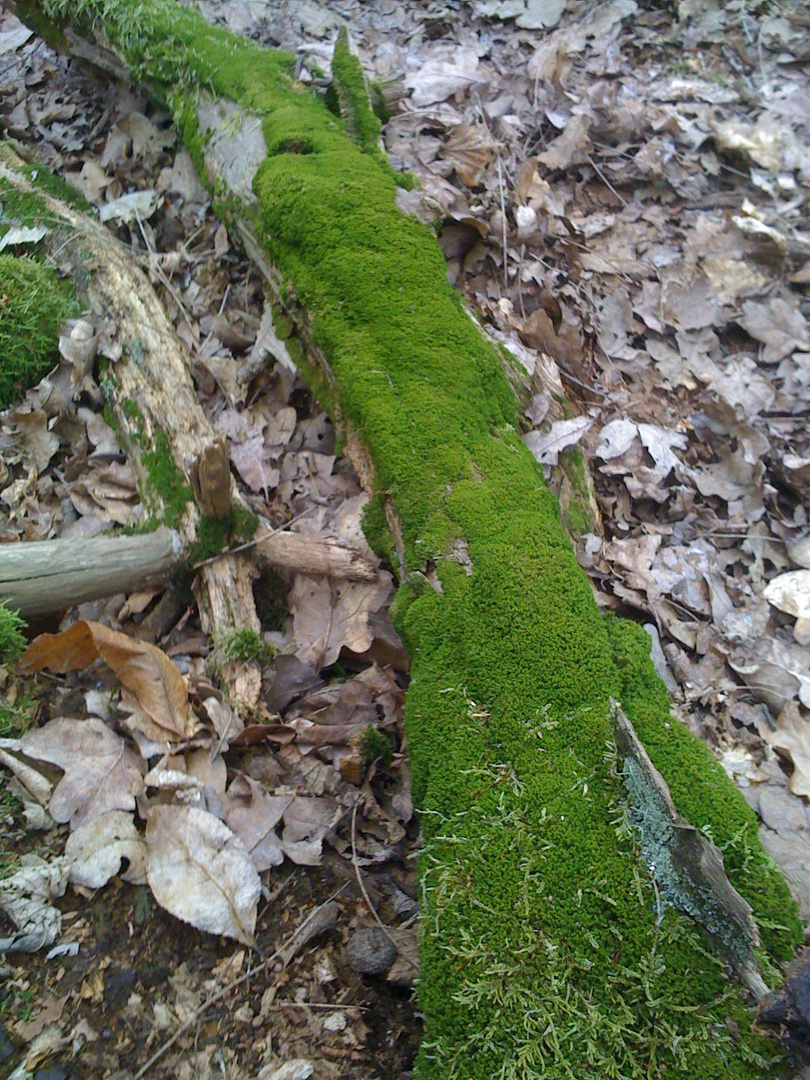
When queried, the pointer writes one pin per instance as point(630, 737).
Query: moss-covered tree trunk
point(560, 936)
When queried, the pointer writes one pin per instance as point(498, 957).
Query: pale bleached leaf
point(546, 446)
point(94, 852)
point(790, 593)
point(781, 328)
point(201, 872)
point(101, 772)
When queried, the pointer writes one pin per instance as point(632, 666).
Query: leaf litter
point(621, 195)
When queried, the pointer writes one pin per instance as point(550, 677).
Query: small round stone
point(370, 951)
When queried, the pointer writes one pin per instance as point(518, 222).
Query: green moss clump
point(166, 480)
point(376, 746)
point(33, 304)
point(544, 950)
point(243, 645)
point(12, 637)
point(244, 522)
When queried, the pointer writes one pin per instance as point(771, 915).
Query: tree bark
point(557, 940)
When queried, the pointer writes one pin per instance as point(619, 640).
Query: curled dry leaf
point(143, 669)
point(95, 851)
point(101, 772)
point(201, 872)
point(26, 897)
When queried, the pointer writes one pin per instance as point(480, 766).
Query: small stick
point(503, 216)
point(366, 897)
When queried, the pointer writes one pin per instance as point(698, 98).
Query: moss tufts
point(33, 304)
point(166, 480)
point(241, 645)
point(12, 636)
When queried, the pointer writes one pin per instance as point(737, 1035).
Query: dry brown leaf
point(143, 669)
point(329, 614)
point(101, 772)
point(469, 149)
point(792, 738)
point(201, 872)
point(253, 815)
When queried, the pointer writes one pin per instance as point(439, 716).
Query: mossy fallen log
point(549, 947)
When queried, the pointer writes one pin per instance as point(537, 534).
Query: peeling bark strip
point(543, 950)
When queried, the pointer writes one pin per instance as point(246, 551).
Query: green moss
point(244, 522)
point(376, 746)
point(352, 93)
point(33, 304)
point(543, 950)
point(166, 480)
point(701, 793)
point(577, 498)
point(12, 636)
point(242, 645)
point(375, 526)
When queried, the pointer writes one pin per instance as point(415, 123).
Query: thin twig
point(503, 216)
point(605, 180)
point(252, 543)
point(366, 897)
point(223, 990)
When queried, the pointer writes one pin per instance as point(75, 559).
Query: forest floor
point(623, 192)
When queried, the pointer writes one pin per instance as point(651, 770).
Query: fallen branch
point(41, 577)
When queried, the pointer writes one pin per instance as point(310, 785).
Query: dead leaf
point(253, 815)
point(780, 328)
point(792, 738)
point(26, 897)
point(94, 852)
point(143, 669)
point(201, 872)
point(328, 614)
point(790, 593)
point(546, 446)
point(469, 149)
point(451, 71)
point(101, 772)
point(572, 147)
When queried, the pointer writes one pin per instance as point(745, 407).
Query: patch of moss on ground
point(544, 949)
point(33, 305)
